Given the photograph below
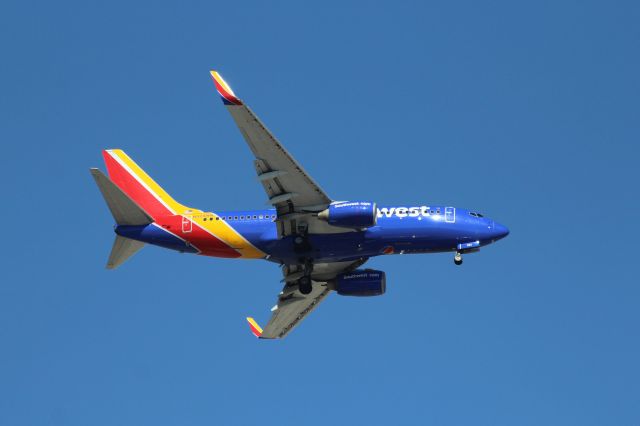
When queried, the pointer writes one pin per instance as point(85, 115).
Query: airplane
point(319, 243)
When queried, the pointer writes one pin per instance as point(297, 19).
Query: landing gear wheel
point(304, 285)
point(457, 259)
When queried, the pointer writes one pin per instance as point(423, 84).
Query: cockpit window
point(475, 214)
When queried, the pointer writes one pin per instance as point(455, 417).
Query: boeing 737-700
point(319, 243)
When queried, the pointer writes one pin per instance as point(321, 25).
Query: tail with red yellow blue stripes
point(139, 186)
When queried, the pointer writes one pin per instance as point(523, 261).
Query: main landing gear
point(305, 285)
point(301, 239)
point(457, 259)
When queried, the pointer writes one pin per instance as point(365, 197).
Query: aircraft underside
point(320, 243)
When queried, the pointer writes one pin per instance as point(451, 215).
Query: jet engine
point(348, 214)
point(361, 282)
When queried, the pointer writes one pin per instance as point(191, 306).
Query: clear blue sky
point(526, 111)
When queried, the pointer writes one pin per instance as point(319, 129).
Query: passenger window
point(235, 217)
point(260, 217)
point(255, 217)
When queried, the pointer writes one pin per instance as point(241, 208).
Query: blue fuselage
point(399, 230)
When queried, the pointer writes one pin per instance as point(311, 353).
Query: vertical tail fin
point(125, 212)
point(139, 186)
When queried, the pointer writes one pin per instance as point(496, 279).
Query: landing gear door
point(450, 214)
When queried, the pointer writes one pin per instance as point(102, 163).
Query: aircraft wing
point(292, 306)
point(288, 186)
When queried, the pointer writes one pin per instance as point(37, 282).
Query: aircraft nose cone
point(499, 231)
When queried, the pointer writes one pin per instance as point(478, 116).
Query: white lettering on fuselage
point(352, 204)
point(362, 275)
point(404, 211)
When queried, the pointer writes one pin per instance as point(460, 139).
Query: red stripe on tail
point(133, 188)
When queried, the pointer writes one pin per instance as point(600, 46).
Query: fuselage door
point(186, 224)
point(450, 214)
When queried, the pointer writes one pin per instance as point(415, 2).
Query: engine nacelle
point(351, 214)
point(361, 282)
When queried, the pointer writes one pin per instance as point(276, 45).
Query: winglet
point(255, 328)
point(228, 97)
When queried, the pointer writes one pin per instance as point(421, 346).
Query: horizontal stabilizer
point(125, 211)
point(123, 248)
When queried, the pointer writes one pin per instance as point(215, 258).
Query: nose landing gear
point(457, 259)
